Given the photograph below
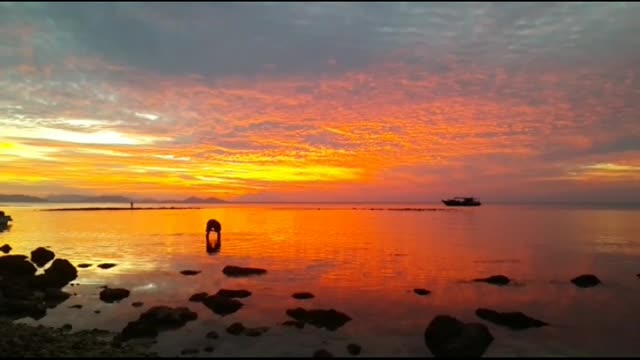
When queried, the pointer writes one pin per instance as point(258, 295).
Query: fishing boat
point(462, 201)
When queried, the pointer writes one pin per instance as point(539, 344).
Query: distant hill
point(100, 199)
point(20, 198)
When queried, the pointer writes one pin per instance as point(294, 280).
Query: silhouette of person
point(214, 225)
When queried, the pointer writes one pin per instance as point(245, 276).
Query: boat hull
point(460, 203)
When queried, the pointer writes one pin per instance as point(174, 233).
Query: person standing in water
point(132, 204)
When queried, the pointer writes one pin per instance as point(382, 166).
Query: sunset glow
point(321, 102)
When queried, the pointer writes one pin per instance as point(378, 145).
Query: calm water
point(362, 262)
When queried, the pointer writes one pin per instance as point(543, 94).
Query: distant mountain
point(194, 200)
point(20, 198)
point(72, 198)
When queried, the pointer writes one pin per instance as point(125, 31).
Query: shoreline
point(120, 208)
point(22, 340)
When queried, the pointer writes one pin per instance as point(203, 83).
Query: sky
point(322, 101)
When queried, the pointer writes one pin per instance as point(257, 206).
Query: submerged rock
point(77, 306)
point(234, 293)
point(585, 281)
point(106, 266)
point(190, 272)
point(84, 266)
point(110, 295)
point(235, 328)
point(212, 335)
point(422, 291)
point(198, 297)
point(137, 304)
point(354, 349)
point(231, 270)
point(512, 320)
point(6, 248)
point(447, 336)
point(42, 256)
point(208, 349)
point(302, 295)
point(329, 319)
point(222, 305)
point(495, 280)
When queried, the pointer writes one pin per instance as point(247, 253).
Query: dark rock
point(189, 351)
point(58, 275)
point(255, 331)
point(208, 349)
point(17, 308)
point(295, 323)
point(354, 349)
point(212, 335)
point(222, 305)
point(302, 295)
point(198, 297)
point(16, 266)
point(97, 311)
point(77, 306)
point(231, 270)
point(235, 328)
point(190, 272)
point(638, 275)
point(53, 297)
point(84, 266)
point(585, 281)
point(512, 320)
point(66, 327)
point(42, 256)
point(447, 336)
point(137, 304)
point(6, 248)
point(322, 353)
point(422, 291)
point(109, 295)
point(234, 293)
point(106, 266)
point(495, 280)
point(156, 319)
point(329, 319)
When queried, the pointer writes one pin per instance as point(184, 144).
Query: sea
point(364, 260)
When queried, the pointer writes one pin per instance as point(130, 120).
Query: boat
point(4, 219)
point(462, 201)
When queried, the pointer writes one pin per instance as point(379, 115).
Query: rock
point(6, 248)
point(16, 266)
point(190, 272)
point(447, 336)
point(97, 311)
point(585, 281)
point(106, 266)
point(256, 331)
point(156, 319)
point(58, 275)
point(231, 270)
point(212, 335)
point(77, 306)
point(54, 296)
point(84, 266)
point(354, 349)
point(235, 328)
point(222, 305)
point(66, 327)
point(42, 256)
point(495, 280)
point(137, 304)
point(295, 323)
point(422, 291)
point(198, 297)
point(189, 351)
point(234, 293)
point(322, 353)
point(512, 320)
point(329, 319)
point(109, 295)
point(302, 295)
point(208, 349)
